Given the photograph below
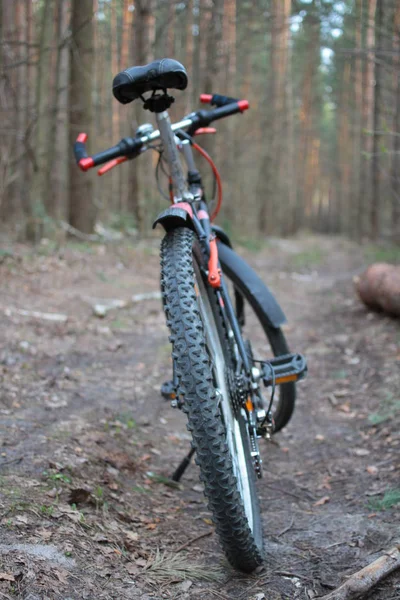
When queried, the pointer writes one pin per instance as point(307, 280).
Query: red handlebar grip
point(243, 105)
point(205, 98)
point(82, 137)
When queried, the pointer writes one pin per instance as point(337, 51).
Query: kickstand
point(183, 466)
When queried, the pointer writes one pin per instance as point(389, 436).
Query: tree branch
point(360, 583)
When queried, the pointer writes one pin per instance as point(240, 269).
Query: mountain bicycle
point(228, 391)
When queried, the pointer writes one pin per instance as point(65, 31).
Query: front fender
point(177, 215)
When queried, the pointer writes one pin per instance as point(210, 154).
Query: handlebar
point(129, 148)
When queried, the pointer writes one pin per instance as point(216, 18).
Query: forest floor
point(87, 444)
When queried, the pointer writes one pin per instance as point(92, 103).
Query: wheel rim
point(234, 438)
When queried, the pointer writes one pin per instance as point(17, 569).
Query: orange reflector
point(286, 379)
point(196, 290)
point(249, 404)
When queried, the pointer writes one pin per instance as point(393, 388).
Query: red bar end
point(86, 163)
point(243, 105)
point(82, 137)
point(205, 98)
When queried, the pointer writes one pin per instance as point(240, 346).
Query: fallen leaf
point(22, 519)
point(100, 538)
point(344, 408)
point(208, 521)
point(78, 496)
point(372, 470)
point(360, 451)
point(132, 569)
point(62, 575)
point(185, 585)
point(198, 488)
point(325, 485)
point(322, 501)
point(45, 534)
point(145, 457)
point(6, 577)
point(341, 393)
point(151, 526)
point(119, 460)
point(141, 562)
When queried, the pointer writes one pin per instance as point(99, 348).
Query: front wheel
point(220, 435)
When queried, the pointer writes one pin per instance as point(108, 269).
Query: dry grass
point(163, 568)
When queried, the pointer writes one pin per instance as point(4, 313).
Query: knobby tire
point(243, 545)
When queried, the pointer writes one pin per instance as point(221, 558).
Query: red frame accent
point(214, 273)
point(82, 137)
point(186, 206)
point(202, 214)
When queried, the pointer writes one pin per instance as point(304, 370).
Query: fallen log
point(359, 584)
point(379, 288)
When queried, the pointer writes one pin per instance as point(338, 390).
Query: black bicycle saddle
point(158, 75)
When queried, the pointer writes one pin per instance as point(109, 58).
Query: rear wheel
point(220, 434)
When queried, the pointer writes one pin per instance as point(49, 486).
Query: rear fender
point(177, 215)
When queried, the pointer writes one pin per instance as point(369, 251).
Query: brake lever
point(111, 164)
point(202, 130)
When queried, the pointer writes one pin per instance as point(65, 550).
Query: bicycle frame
point(169, 144)
point(201, 226)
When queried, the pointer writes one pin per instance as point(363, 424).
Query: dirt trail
point(86, 442)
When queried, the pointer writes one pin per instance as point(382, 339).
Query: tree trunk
point(144, 28)
point(42, 107)
point(50, 200)
point(126, 60)
point(171, 24)
point(367, 116)
point(356, 213)
point(309, 142)
point(82, 212)
point(274, 194)
point(115, 109)
point(378, 101)
point(396, 126)
point(62, 150)
point(8, 109)
point(344, 150)
point(189, 54)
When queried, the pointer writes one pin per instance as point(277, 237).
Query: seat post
point(181, 192)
